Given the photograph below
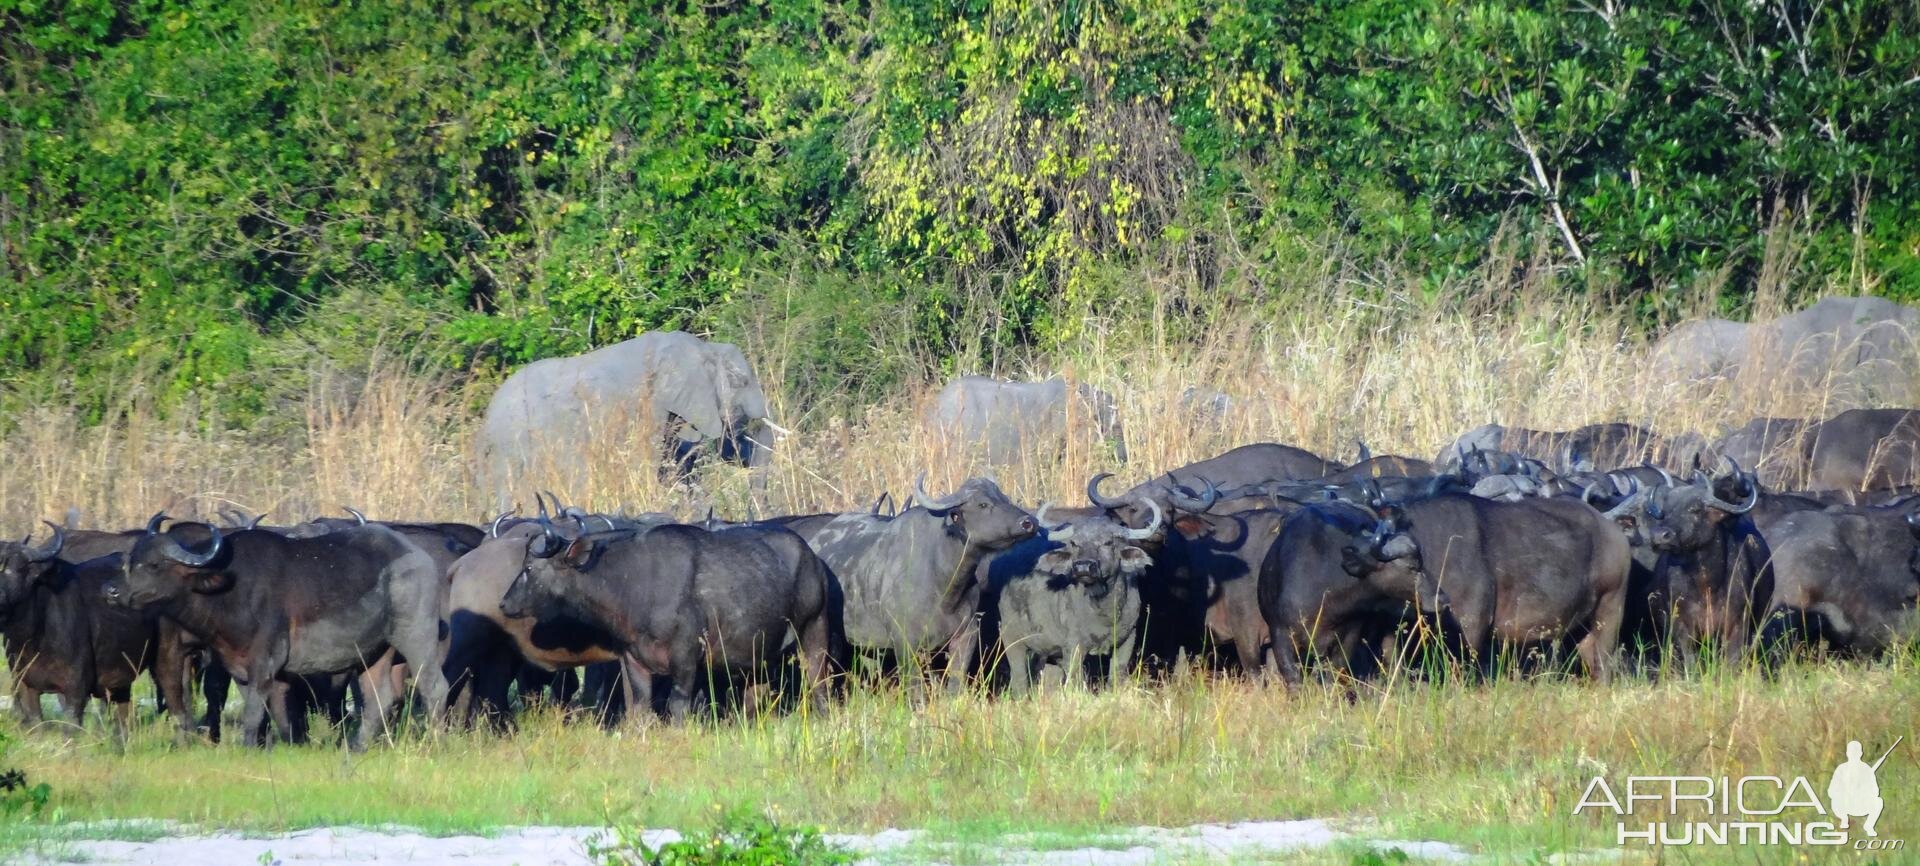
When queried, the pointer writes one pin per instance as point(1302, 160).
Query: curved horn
point(1625, 504)
point(1382, 529)
point(48, 551)
point(1093, 493)
point(153, 523)
point(178, 552)
point(1154, 527)
point(254, 523)
point(356, 514)
point(922, 499)
point(493, 529)
point(1666, 477)
point(1184, 499)
point(1365, 453)
point(1913, 523)
point(1586, 493)
point(1753, 496)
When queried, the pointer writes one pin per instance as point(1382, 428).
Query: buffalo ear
point(1134, 560)
point(1191, 527)
point(209, 582)
point(578, 552)
point(1055, 562)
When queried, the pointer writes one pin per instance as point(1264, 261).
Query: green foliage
point(197, 193)
point(19, 798)
point(739, 839)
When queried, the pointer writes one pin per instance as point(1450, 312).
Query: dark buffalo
point(273, 607)
point(62, 637)
point(911, 583)
point(1075, 594)
point(1714, 577)
point(685, 603)
point(1338, 575)
point(1527, 572)
point(1846, 577)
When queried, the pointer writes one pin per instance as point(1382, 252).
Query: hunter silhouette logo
point(1854, 792)
point(1750, 810)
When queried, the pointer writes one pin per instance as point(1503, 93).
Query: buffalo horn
point(1753, 496)
point(52, 547)
point(922, 499)
point(1093, 493)
point(1154, 527)
point(177, 552)
point(493, 529)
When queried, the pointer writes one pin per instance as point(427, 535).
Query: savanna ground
point(1496, 766)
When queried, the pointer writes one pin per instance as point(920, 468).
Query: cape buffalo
point(1337, 575)
point(911, 582)
point(685, 603)
point(1526, 572)
point(272, 607)
point(1075, 595)
point(1846, 577)
point(61, 637)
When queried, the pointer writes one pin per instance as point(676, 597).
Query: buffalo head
point(22, 565)
point(160, 568)
point(980, 511)
point(1094, 551)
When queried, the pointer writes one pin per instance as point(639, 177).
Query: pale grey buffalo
point(1858, 349)
point(1006, 422)
point(910, 582)
point(1070, 594)
point(663, 387)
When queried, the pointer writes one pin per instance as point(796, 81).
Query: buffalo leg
point(1599, 647)
point(636, 686)
point(170, 676)
point(253, 711)
point(26, 702)
point(1019, 668)
point(121, 699)
point(1286, 656)
point(215, 683)
point(1246, 647)
point(1120, 664)
point(816, 652)
point(73, 704)
point(419, 642)
point(960, 653)
point(376, 703)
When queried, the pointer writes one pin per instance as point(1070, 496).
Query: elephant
point(681, 393)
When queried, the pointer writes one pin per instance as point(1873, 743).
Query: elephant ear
point(684, 385)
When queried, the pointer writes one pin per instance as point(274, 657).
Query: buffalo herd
point(1605, 550)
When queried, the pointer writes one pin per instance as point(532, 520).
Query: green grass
point(1496, 767)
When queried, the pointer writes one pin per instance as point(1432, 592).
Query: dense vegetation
point(197, 192)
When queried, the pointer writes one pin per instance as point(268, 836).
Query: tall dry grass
point(1337, 357)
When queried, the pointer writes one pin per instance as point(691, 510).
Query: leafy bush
point(192, 192)
point(739, 839)
point(19, 797)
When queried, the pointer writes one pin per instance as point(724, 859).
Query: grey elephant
point(1007, 422)
point(674, 389)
